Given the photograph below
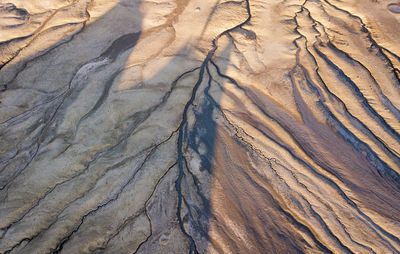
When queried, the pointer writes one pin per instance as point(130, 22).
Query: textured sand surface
point(193, 126)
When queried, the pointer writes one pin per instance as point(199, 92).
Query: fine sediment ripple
point(168, 126)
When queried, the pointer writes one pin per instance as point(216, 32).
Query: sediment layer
point(171, 126)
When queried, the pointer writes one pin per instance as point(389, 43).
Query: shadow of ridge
point(75, 31)
point(46, 105)
point(199, 139)
point(51, 111)
point(123, 44)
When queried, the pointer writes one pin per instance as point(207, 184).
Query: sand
point(197, 126)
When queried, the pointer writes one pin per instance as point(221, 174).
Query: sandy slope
point(191, 126)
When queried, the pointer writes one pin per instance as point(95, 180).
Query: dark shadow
point(50, 103)
point(37, 123)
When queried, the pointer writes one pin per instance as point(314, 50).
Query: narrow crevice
point(183, 127)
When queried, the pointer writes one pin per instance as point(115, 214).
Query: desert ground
point(199, 126)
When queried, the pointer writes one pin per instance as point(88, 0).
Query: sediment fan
point(190, 126)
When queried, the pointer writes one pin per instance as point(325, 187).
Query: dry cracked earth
point(193, 126)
